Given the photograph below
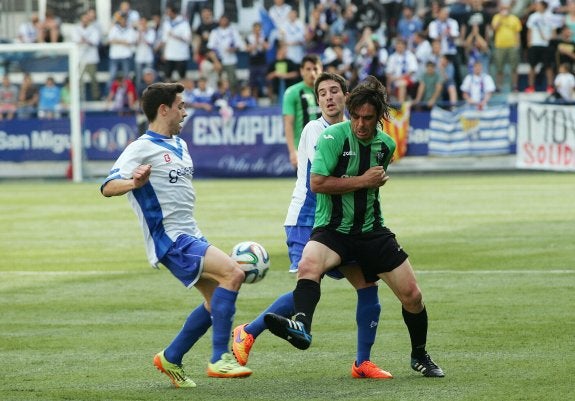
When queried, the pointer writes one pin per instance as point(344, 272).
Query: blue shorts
point(296, 238)
point(185, 258)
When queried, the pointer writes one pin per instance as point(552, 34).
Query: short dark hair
point(310, 58)
point(369, 91)
point(327, 76)
point(157, 94)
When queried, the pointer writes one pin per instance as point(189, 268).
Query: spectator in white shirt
point(292, 33)
point(226, 41)
point(176, 39)
point(279, 13)
point(477, 88)
point(144, 57)
point(565, 84)
point(446, 29)
point(401, 71)
point(87, 35)
point(29, 31)
point(422, 50)
point(132, 15)
point(539, 33)
point(122, 39)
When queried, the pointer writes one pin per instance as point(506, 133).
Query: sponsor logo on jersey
point(328, 136)
point(349, 153)
point(175, 174)
point(167, 157)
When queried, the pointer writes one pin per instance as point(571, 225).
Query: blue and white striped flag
point(469, 132)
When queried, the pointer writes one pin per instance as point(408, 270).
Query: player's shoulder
point(336, 132)
point(314, 125)
point(385, 137)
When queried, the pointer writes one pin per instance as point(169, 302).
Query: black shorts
point(539, 54)
point(376, 252)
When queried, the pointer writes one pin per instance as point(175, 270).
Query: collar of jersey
point(161, 140)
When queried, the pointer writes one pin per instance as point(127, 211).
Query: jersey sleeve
point(126, 163)
point(390, 143)
point(327, 153)
point(288, 104)
point(308, 140)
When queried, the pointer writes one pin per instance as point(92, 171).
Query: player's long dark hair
point(157, 94)
point(370, 91)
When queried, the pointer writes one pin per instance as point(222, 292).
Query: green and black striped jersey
point(340, 154)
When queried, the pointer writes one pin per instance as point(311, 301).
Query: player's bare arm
point(140, 177)
point(290, 138)
point(373, 178)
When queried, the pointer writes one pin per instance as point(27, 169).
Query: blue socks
point(223, 311)
point(282, 306)
point(367, 318)
point(195, 326)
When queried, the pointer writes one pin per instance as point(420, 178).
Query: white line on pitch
point(553, 271)
point(116, 272)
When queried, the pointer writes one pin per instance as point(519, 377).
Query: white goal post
point(70, 50)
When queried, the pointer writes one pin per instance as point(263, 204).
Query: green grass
point(82, 314)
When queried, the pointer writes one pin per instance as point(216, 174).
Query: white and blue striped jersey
point(165, 205)
point(301, 211)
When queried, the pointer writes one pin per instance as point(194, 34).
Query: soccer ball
point(253, 259)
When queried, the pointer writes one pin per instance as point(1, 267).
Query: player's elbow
point(316, 183)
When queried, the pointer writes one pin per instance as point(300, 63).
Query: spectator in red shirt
point(122, 97)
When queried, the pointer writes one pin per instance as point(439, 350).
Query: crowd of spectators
point(427, 52)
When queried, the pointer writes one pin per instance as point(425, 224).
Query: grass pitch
point(82, 314)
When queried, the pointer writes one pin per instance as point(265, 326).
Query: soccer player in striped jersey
point(155, 172)
point(347, 172)
point(331, 91)
point(299, 104)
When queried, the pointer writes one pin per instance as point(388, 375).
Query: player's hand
point(141, 175)
point(293, 159)
point(375, 177)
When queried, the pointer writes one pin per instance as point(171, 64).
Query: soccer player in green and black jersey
point(299, 105)
point(347, 172)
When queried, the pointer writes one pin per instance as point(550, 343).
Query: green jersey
point(340, 154)
point(299, 101)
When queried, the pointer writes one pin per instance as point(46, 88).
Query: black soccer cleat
point(290, 330)
point(426, 366)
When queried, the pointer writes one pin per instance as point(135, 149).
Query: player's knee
point(233, 277)
point(412, 299)
point(308, 268)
